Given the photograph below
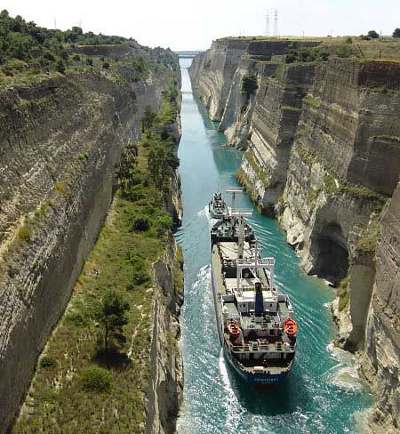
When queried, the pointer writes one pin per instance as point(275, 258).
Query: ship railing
point(263, 347)
point(237, 212)
point(268, 262)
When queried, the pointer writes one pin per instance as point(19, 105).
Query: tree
point(396, 33)
point(111, 314)
point(373, 34)
point(60, 66)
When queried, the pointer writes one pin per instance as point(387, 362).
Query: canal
point(322, 393)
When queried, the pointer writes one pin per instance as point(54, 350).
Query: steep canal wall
point(321, 138)
point(62, 139)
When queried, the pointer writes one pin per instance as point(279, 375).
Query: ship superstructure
point(217, 207)
point(254, 319)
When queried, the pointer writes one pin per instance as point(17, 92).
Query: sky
point(192, 25)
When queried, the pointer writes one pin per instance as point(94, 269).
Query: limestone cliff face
point(322, 153)
point(213, 71)
point(331, 200)
point(235, 121)
point(382, 353)
point(273, 126)
point(165, 395)
point(61, 143)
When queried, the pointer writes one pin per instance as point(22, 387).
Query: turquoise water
point(322, 393)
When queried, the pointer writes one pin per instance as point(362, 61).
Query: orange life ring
point(233, 329)
point(290, 327)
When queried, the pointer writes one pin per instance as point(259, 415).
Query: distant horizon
point(182, 27)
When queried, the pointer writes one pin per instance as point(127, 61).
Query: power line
point(276, 29)
point(271, 13)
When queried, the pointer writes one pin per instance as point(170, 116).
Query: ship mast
point(240, 237)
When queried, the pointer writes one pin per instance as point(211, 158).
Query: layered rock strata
point(61, 143)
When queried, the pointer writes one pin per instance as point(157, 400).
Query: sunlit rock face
point(61, 142)
point(381, 365)
point(322, 153)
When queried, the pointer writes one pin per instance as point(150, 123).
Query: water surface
point(322, 393)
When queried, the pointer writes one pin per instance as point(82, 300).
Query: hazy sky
point(185, 24)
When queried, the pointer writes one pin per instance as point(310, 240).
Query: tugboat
point(255, 321)
point(217, 207)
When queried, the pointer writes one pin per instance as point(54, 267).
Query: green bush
point(60, 67)
point(111, 313)
point(373, 34)
point(95, 379)
point(141, 224)
point(24, 233)
point(164, 223)
point(343, 293)
point(396, 33)
point(344, 51)
point(47, 362)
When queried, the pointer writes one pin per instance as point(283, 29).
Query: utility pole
point(267, 31)
point(276, 31)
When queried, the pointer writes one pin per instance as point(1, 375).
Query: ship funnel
point(259, 300)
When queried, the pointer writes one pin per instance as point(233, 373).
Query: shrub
point(307, 55)
point(291, 57)
point(47, 362)
point(344, 51)
point(140, 276)
point(373, 34)
point(343, 293)
point(164, 223)
point(106, 65)
point(95, 379)
point(324, 55)
point(396, 33)
point(141, 224)
point(111, 314)
point(24, 233)
point(60, 67)
point(349, 40)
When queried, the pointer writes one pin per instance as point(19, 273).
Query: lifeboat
point(234, 329)
point(290, 327)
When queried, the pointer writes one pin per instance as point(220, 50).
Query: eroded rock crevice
point(330, 250)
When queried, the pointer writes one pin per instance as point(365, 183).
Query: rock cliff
point(380, 363)
point(322, 154)
point(61, 144)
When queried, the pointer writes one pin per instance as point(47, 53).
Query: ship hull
point(256, 379)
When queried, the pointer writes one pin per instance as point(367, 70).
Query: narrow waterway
point(322, 393)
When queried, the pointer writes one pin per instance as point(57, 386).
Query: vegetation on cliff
point(82, 383)
point(28, 42)
point(30, 53)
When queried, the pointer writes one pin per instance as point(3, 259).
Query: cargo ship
point(217, 207)
point(254, 319)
